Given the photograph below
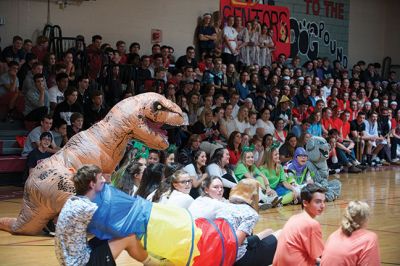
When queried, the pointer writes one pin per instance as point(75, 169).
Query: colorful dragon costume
point(185, 241)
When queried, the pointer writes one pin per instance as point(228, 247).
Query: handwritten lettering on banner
point(275, 17)
point(319, 28)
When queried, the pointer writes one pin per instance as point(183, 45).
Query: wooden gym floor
point(379, 187)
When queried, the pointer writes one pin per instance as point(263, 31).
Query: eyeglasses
point(303, 155)
point(185, 182)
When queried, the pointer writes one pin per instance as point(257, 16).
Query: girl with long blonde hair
point(277, 178)
point(352, 243)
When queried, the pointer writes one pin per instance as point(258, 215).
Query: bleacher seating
point(11, 160)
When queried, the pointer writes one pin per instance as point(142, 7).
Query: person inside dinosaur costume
point(318, 151)
point(50, 184)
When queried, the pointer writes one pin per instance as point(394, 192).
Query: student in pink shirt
point(300, 242)
point(352, 244)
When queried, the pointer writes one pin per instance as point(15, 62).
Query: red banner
point(275, 17)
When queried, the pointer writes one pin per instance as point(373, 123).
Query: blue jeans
point(345, 158)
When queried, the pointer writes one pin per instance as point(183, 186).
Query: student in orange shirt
point(300, 242)
point(352, 243)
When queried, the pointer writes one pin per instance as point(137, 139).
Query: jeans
point(345, 158)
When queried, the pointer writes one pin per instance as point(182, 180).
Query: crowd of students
point(298, 243)
point(220, 93)
point(248, 111)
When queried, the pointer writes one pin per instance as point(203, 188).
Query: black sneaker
point(50, 228)
point(332, 171)
point(352, 169)
point(361, 166)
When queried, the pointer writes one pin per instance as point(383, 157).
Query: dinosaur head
point(155, 111)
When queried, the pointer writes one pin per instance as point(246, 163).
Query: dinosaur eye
point(157, 106)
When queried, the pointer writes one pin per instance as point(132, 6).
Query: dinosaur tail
point(6, 224)
point(45, 192)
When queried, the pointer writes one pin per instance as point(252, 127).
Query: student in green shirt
point(277, 178)
point(246, 168)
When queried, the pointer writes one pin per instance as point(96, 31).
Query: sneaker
point(395, 160)
point(50, 228)
point(264, 206)
point(385, 163)
point(337, 171)
point(276, 201)
point(361, 166)
point(353, 170)
point(332, 171)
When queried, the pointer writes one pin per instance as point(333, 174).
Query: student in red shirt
point(336, 121)
point(326, 120)
point(345, 125)
point(301, 112)
point(234, 147)
point(353, 110)
point(345, 101)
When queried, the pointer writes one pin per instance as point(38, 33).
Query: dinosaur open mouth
point(156, 128)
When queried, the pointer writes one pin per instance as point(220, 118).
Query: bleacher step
point(10, 134)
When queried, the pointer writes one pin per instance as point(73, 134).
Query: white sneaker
point(395, 160)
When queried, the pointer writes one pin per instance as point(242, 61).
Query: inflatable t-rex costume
point(50, 183)
point(318, 152)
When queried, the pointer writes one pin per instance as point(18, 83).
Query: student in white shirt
point(178, 193)
point(208, 205)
